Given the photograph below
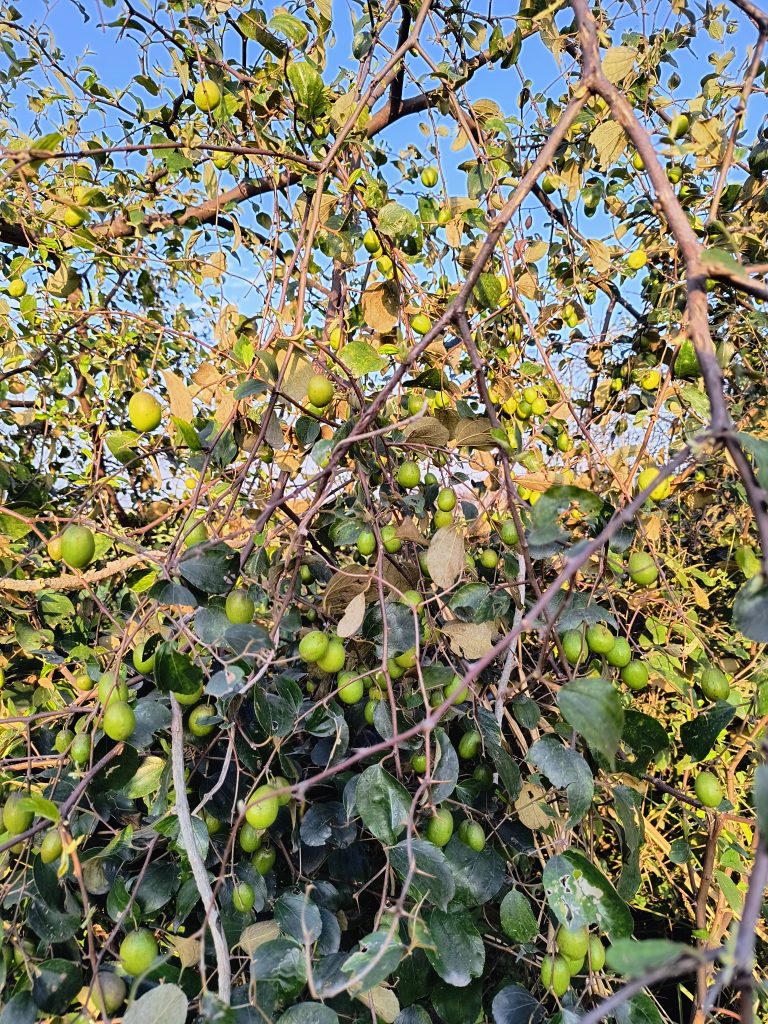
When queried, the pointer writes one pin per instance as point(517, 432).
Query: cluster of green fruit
point(575, 950)
point(577, 645)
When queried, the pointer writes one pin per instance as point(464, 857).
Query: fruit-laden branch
point(195, 861)
point(73, 581)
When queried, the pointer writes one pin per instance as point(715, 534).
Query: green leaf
point(566, 769)
point(700, 734)
point(397, 221)
point(382, 803)
point(644, 735)
point(309, 1013)
point(580, 894)
point(750, 609)
point(517, 919)
point(287, 25)
point(456, 952)
point(478, 875)
point(298, 917)
point(212, 569)
point(640, 1009)
point(760, 799)
point(122, 443)
point(432, 879)
point(593, 708)
point(165, 1004)
point(515, 1005)
point(41, 807)
point(55, 983)
point(633, 959)
point(446, 769)
point(20, 1009)
point(174, 672)
point(378, 955)
point(487, 291)
point(361, 358)
point(280, 961)
point(308, 88)
point(147, 778)
point(509, 773)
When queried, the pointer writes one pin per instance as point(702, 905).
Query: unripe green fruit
point(119, 720)
point(446, 499)
point(564, 442)
point(187, 700)
point(646, 478)
point(142, 664)
point(280, 782)
point(415, 403)
point(17, 288)
point(366, 542)
point(207, 95)
point(489, 558)
point(16, 818)
point(83, 682)
point(409, 475)
point(620, 654)
point(548, 184)
point(51, 846)
point(419, 763)
point(708, 789)
point(54, 549)
point(483, 776)
point(635, 261)
point(572, 942)
point(674, 174)
point(456, 686)
point(642, 569)
point(596, 953)
point(144, 411)
point(575, 965)
point(429, 177)
point(440, 827)
point(111, 689)
point(368, 711)
point(333, 659)
point(470, 745)
point(262, 808)
point(63, 739)
point(195, 534)
point(351, 690)
point(678, 126)
point(573, 646)
point(539, 406)
point(320, 391)
point(243, 897)
point(650, 381)
point(249, 838)
point(264, 859)
point(556, 975)
point(80, 750)
point(442, 519)
point(635, 675)
point(239, 607)
point(221, 159)
point(305, 573)
point(138, 951)
point(473, 836)
point(714, 684)
point(198, 723)
point(212, 824)
point(77, 546)
point(509, 534)
point(599, 638)
point(390, 540)
point(637, 162)
point(74, 216)
point(313, 646)
point(371, 241)
point(412, 598)
point(109, 992)
point(444, 216)
point(420, 323)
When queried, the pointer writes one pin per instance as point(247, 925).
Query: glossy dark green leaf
point(212, 569)
point(699, 735)
point(165, 1004)
point(309, 1013)
point(55, 983)
point(175, 672)
point(515, 1005)
point(445, 772)
point(20, 1009)
point(593, 707)
point(579, 894)
point(645, 736)
point(566, 769)
point(383, 804)
point(376, 957)
point(432, 878)
point(456, 949)
point(298, 917)
point(517, 918)
point(633, 959)
point(478, 875)
point(640, 1009)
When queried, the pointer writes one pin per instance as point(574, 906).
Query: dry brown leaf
point(445, 556)
point(186, 948)
point(342, 587)
point(256, 935)
point(400, 577)
point(427, 430)
point(470, 640)
point(207, 378)
point(353, 616)
point(475, 433)
point(381, 306)
point(298, 370)
point(529, 807)
point(179, 397)
point(407, 530)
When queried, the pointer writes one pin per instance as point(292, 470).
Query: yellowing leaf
point(445, 556)
point(352, 619)
point(381, 306)
point(475, 433)
point(618, 62)
point(610, 141)
point(256, 935)
point(428, 431)
point(186, 948)
point(384, 1003)
point(470, 639)
point(600, 255)
point(179, 396)
point(530, 807)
